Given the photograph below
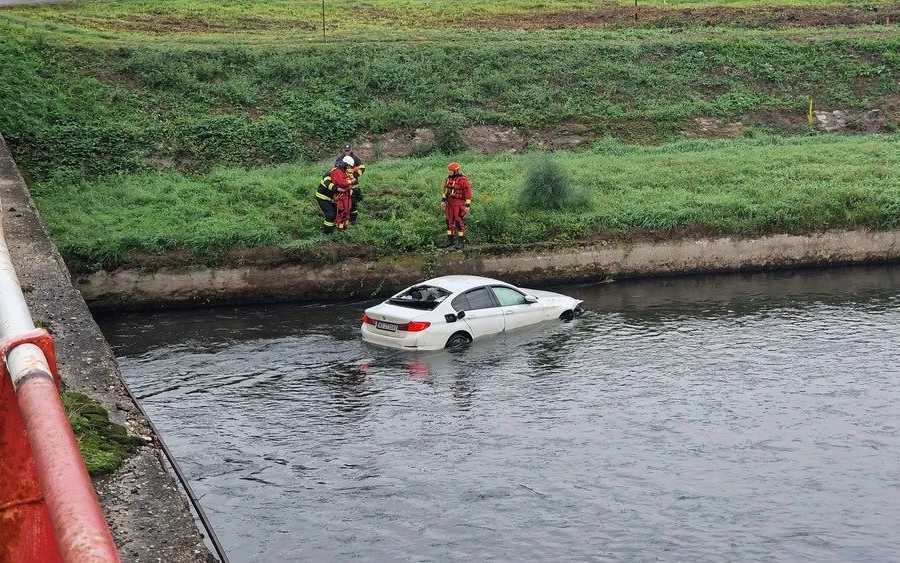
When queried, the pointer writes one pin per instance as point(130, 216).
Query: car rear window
point(425, 297)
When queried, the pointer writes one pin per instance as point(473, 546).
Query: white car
point(451, 311)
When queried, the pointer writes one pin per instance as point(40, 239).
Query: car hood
point(550, 298)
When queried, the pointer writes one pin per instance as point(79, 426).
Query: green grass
point(746, 187)
point(110, 110)
point(304, 17)
point(201, 126)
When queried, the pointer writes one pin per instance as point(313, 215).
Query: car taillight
point(414, 326)
point(367, 319)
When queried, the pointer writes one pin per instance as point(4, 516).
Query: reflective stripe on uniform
point(326, 189)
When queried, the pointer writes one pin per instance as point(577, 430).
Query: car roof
point(459, 283)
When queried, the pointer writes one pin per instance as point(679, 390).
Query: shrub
point(448, 132)
point(546, 186)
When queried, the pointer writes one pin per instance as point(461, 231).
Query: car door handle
point(509, 313)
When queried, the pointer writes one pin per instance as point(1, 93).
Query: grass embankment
point(749, 186)
point(105, 99)
point(199, 126)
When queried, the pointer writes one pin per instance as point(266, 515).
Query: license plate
point(392, 327)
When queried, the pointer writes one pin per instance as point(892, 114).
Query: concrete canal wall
point(538, 265)
point(147, 513)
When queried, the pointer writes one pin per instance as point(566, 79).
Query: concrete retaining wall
point(534, 266)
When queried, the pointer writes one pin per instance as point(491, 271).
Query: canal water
point(740, 417)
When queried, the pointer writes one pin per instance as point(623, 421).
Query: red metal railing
point(48, 508)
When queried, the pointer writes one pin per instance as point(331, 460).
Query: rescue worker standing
point(335, 184)
point(358, 168)
point(455, 202)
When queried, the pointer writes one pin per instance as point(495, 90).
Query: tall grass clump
point(493, 222)
point(546, 186)
point(447, 136)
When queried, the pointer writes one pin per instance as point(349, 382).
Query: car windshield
point(424, 297)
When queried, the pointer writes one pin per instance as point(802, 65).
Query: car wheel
point(458, 339)
point(567, 315)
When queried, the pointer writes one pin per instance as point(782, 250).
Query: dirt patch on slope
point(608, 14)
point(605, 15)
point(573, 135)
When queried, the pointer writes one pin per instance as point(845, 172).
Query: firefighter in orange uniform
point(456, 200)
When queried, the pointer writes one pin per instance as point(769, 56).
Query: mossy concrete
point(103, 443)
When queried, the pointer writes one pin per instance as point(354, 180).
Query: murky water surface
point(746, 417)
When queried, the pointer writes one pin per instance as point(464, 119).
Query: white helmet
point(348, 160)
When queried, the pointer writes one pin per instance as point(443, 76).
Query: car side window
point(479, 298)
point(460, 303)
point(508, 296)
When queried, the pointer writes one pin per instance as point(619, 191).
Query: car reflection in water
point(542, 347)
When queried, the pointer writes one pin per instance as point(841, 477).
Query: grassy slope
point(750, 186)
point(236, 101)
point(302, 16)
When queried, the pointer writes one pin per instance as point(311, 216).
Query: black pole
point(323, 20)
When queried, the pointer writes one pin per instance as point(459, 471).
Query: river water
point(740, 417)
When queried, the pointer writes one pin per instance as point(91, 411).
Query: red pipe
point(81, 529)
point(48, 508)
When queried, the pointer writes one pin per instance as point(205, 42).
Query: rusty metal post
point(48, 507)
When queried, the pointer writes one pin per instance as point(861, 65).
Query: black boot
point(460, 243)
point(328, 229)
point(448, 243)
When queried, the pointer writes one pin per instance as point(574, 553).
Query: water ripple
point(743, 417)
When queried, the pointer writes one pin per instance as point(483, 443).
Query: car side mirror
point(450, 318)
point(461, 314)
point(531, 299)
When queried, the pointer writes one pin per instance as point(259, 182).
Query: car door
point(516, 311)
point(483, 314)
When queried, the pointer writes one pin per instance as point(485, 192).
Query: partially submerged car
point(451, 311)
